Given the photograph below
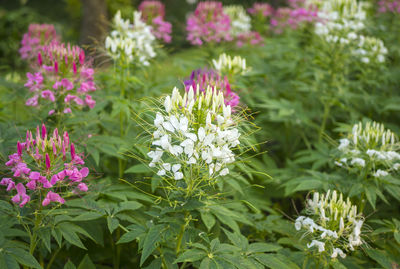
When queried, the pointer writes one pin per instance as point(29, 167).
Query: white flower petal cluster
point(341, 22)
point(370, 146)
point(226, 64)
point(333, 224)
point(131, 42)
point(194, 136)
point(240, 21)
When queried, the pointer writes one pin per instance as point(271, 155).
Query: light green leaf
point(264, 247)
point(380, 257)
point(24, 257)
point(191, 255)
point(112, 223)
point(86, 263)
point(150, 242)
point(138, 169)
point(208, 219)
point(69, 265)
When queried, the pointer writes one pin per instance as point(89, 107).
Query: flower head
point(44, 165)
point(193, 137)
point(131, 42)
point(261, 9)
point(240, 21)
point(228, 65)
point(64, 78)
point(386, 6)
point(332, 224)
point(153, 13)
point(208, 23)
point(202, 79)
point(38, 35)
point(370, 146)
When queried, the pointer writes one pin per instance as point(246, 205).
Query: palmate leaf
point(153, 237)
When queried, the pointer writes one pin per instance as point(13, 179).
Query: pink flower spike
point(72, 151)
point(56, 66)
point(54, 149)
point(82, 187)
point(54, 179)
point(44, 131)
point(82, 57)
point(51, 112)
point(40, 61)
point(74, 68)
point(19, 149)
point(48, 164)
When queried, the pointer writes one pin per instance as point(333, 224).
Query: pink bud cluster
point(153, 13)
point(63, 77)
point(37, 36)
point(292, 18)
point(385, 6)
point(204, 78)
point(43, 167)
point(250, 38)
point(208, 24)
point(261, 9)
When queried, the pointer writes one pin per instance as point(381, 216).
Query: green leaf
point(275, 261)
point(69, 265)
point(10, 262)
point(208, 219)
point(191, 255)
point(129, 205)
point(264, 247)
point(130, 236)
point(307, 185)
point(371, 195)
point(86, 263)
point(87, 216)
point(69, 232)
point(150, 242)
point(337, 265)
point(138, 169)
point(23, 257)
point(112, 223)
point(380, 257)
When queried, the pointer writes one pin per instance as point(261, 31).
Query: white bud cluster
point(194, 136)
point(131, 42)
point(226, 64)
point(334, 224)
point(370, 146)
point(240, 21)
point(341, 23)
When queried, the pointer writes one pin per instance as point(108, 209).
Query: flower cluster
point(62, 77)
point(333, 224)
point(293, 18)
point(209, 23)
point(370, 146)
point(389, 6)
point(153, 13)
point(131, 42)
point(194, 137)
point(202, 79)
point(43, 166)
point(38, 35)
point(240, 21)
point(225, 64)
point(261, 9)
point(341, 23)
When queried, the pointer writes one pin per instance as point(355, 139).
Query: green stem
point(327, 108)
point(118, 250)
point(181, 233)
point(53, 257)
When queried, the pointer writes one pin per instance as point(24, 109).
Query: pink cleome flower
point(386, 6)
point(153, 13)
point(61, 70)
point(204, 78)
point(208, 24)
point(38, 35)
point(261, 9)
point(45, 166)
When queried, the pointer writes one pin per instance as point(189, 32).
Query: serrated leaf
point(69, 265)
point(112, 223)
point(86, 263)
point(191, 255)
point(150, 242)
point(23, 257)
point(264, 247)
point(208, 219)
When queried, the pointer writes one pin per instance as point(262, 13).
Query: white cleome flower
point(131, 42)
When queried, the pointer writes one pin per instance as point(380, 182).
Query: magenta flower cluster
point(284, 18)
point(38, 35)
point(62, 78)
point(44, 167)
point(261, 9)
point(385, 6)
point(208, 24)
point(249, 38)
point(208, 77)
point(153, 13)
